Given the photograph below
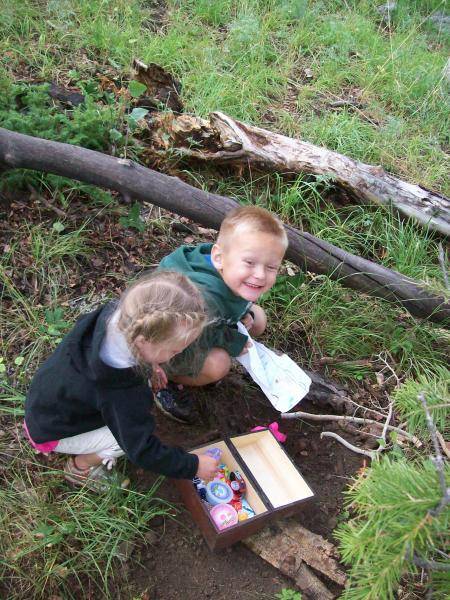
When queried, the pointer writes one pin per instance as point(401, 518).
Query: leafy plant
point(136, 115)
point(133, 219)
point(136, 88)
point(55, 321)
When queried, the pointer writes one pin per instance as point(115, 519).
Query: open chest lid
point(276, 477)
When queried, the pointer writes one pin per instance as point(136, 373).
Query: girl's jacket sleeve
point(127, 413)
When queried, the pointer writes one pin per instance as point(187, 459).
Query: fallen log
point(223, 140)
point(135, 181)
point(295, 551)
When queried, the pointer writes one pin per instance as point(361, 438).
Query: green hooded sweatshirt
point(223, 305)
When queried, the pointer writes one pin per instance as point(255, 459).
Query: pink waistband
point(46, 447)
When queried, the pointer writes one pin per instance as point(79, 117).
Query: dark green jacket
point(224, 306)
point(74, 391)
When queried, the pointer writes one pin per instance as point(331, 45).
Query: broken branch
point(223, 140)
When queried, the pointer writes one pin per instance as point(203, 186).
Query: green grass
point(48, 259)
point(238, 57)
point(327, 320)
point(58, 541)
point(378, 234)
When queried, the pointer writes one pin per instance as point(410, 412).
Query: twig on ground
point(388, 367)
point(351, 447)
point(370, 454)
point(364, 408)
point(311, 417)
point(388, 420)
point(46, 202)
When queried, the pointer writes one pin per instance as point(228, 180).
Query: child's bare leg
point(85, 461)
point(259, 322)
point(216, 366)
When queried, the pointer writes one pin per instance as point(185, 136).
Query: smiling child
point(231, 274)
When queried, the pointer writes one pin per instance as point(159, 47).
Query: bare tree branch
point(311, 417)
point(388, 420)
point(430, 565)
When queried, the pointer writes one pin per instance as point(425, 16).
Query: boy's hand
point(247, 321)
point(207, 467)
point(245, 348)
point(159, 378)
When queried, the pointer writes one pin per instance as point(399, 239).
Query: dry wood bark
point(135, 181)
point(293, 550)
point(222, 139)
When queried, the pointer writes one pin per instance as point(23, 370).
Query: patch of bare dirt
point(236, 406)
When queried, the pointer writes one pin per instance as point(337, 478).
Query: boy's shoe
point(97, 479)
point(175, 402)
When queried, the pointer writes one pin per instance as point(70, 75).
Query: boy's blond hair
point(160, 306)
point(253, 218)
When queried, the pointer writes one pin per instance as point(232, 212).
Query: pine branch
point(437, 460)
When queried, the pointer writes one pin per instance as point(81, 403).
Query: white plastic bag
point(279, 377)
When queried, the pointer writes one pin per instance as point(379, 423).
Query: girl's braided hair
point(159, 306)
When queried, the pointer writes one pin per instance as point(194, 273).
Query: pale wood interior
point(271, 468)
point(227, 458)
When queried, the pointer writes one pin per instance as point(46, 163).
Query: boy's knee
point(259, 322)
point(217, 364)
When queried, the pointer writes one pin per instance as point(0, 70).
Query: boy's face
point(248, 262)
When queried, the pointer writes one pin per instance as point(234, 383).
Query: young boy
point(232, 274)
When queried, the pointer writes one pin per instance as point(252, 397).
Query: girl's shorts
point(99, 441)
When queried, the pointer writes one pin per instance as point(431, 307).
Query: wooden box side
point(214, 538)
point(266, 512)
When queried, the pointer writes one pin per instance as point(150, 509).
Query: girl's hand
point(207, 467)
point(159, 378)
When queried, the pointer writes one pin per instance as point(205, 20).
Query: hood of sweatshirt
point(83, 344)
point(195, 263)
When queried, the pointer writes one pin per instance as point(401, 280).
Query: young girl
point(91, 398)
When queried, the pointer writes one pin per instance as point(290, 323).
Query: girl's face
point(161, 352)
